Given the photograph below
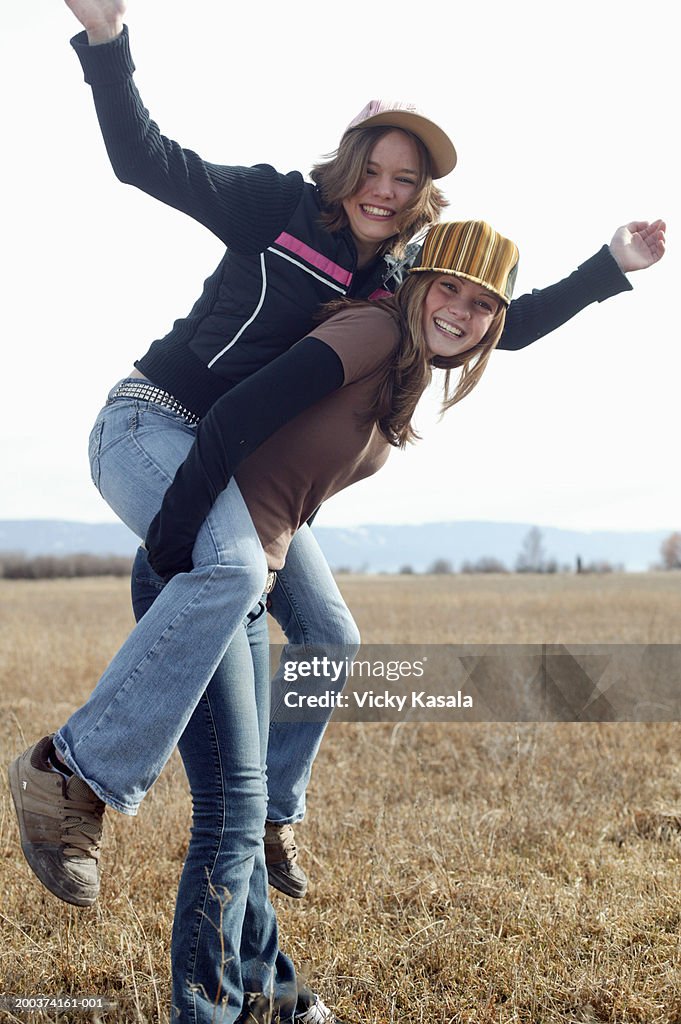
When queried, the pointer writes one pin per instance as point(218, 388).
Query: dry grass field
point(477, 874)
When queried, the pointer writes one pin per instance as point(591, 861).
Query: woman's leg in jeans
point(310, 609)
point(308, 606)
point(260, 973)
point(225, 933)
point(121, 738)
point(258, 938)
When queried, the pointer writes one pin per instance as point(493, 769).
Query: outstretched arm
point(246, 207)
point(634, 246)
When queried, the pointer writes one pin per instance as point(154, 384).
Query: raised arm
point(634, 246)
point(233, 428)
point(246, 207)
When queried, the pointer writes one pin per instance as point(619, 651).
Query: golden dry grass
point(461, 873)
point(615, 608)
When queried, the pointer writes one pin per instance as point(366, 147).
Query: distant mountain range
point(373, 548)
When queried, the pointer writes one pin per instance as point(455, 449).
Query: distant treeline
point(531, 558)
point(18, 566)
point(487, 564)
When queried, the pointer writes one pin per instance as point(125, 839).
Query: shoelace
point(285, 836)
point(318, 1013)
point(82, 830)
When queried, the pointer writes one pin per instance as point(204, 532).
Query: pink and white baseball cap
point(401, 114)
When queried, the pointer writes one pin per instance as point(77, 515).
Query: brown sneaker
point(60, 821)
point(280, 856)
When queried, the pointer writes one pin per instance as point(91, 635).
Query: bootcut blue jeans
point(224, 940)
point(209, 968)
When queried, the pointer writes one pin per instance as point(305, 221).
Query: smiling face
point(457, 313)
point(390, 183)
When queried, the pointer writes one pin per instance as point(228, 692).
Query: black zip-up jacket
point(280, 265)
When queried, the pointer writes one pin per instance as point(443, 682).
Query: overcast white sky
point(565, 119)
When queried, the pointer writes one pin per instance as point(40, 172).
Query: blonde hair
point(340, 175)
point(409, 372)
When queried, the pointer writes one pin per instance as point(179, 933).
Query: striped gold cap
point(471, 249)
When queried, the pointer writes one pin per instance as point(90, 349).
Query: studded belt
point(145, 391)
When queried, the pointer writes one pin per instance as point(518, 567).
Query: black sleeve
point(246, 207)
point(234, 427)
point(531, 316)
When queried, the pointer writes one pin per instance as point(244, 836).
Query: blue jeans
point(308, 606)
point(121, 738)
point(225, 936)
point(157, 688)
point(210, 967)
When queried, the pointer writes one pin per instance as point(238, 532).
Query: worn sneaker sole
point(36, 854)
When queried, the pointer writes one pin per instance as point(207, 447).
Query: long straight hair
point(409, 371)
point(340, 175)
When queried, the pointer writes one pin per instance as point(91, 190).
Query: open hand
point(638, 245)
point(102, 19)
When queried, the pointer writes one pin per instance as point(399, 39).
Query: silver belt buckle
point(271, 580)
